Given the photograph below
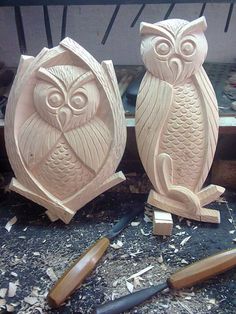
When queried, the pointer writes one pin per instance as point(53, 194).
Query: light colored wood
point(179, 208)
point(162, 223)
point(203, 269)
point(65, 129)
point(177, 117)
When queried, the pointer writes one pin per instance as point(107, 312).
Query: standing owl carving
point(177, 118)
point(65, 129)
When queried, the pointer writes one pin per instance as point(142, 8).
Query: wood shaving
point(12, 289)
point(10, 308)
point(141, 272)
point(137, 282)
point(14, 274)
point(135, 223)
point(171, 246)
point(212, 301)
point(178, 227)
point(10, 223)
point(145, 234)
point(136, 253)
point(183, 261)
point(232, 231)
point(147, 219)
point(3, 292)
point(129, 286)
point(184, 241)
point(188, 222)
point(31, 300)
point(117, 245)
point(234, 240)
point(2, 303)
point(160, 259)
point(51, 274)
point(230, 220)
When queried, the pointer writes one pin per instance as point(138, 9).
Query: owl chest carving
point(62, 172)
point(183, 135)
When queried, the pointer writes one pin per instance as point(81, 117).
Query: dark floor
point(35, 244)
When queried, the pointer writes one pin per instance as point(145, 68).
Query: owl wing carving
point(91, 143)
point(153, 104)
point(36, 139)
point(209, 104)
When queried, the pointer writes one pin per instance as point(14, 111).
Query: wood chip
point(2, 303)
point(160, 259)
point(10, 223)
point(183, 261)
point(31, 300)
point(3, 292)
point(184, 241)
point(188, 223)
point(135, 223)
point(178, 227)
point(232, 231)
point(10, 308)
point(137, 282)
point(212, 301)
point(14, 274)
point(51, 274)
point(147, 219)
point(141, 272)
point(12, 289)
point(129, 286)
point(117, 245)
point(230, 220)
point(234, 240)
point(36, 254)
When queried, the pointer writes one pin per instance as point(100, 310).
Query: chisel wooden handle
point(202, 270)
point(76, 274)
point(188, 276)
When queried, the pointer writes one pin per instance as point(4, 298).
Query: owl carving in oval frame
point(177, 118)
point(65, 129)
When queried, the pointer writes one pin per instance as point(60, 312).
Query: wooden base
point(205, 196)
point(57, 210)
point(162, 223)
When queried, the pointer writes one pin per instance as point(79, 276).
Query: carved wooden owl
point(177, 118)
point(65, 129)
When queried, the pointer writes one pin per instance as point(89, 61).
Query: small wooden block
point(162, 223)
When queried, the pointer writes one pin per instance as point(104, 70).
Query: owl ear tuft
point(197, 26)
point(153, 29)
point(45, 75)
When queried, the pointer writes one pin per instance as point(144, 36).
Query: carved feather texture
point(36, 139)
point(153, 104)
point(91, 143)
point(211, 117)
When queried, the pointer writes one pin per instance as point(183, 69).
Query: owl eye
point(188, 47)
point(163, 48)
point(55, 99)
point(78, 101)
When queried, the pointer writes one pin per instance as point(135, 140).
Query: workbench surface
point(36, 250)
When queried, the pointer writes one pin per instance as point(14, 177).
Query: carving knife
point(186, 277)
point(85, 264)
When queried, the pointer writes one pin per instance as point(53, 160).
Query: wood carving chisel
point(186, 277)
point(85, 264)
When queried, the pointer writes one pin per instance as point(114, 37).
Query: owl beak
point(64, 116)
point(176, 67)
